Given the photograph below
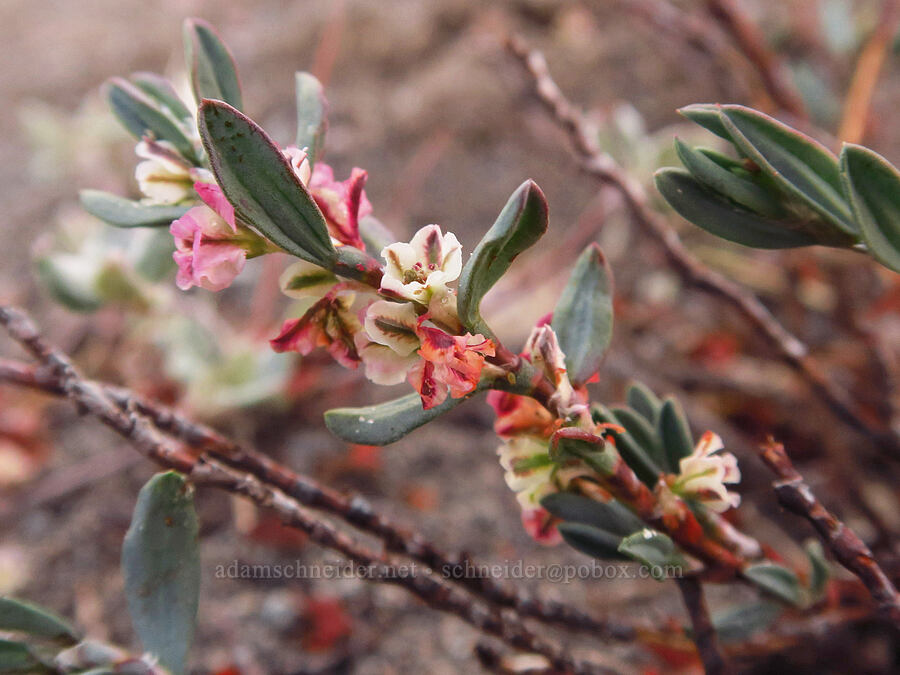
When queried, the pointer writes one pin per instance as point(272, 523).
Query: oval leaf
point(642, 400)
point(141, 116)
point(312, 119)
point(591, 540)
point(212, 68)
point(654, 550)
point(15, 657)
point(161, 90)
point(643, 433)
point(70, 282)
point(800, 165)
point(520, 224)
point(262, 186)
point(612, 516)
point(635, 456)
point(776, 580)
point(23, 617)
point(386, 422)
point(873, 186)
point(583, 318)
point(161, 565)
point(675, 433)
point(707, 116)
point(120, 212)
point(737, 624)
point(719, 216)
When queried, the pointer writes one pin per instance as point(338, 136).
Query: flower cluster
point(704, 474)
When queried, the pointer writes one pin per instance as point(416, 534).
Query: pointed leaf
point(70, 282)
point(873, 186)
point(801, 166)
point(263, 187)
point(644, 434)
point(583, 318)
point(161, 565)
point(635, 456)
point(23, 617)
point(141, 115)
point(15, 657)
point(520, 224)
point(654, 550)
point(161, 90)
point(120, 212)
point(708, 116)
point(722, 217)
point(591, 540)
point(312, 120)
point(612, 516)
point(743, 192)
point(675, 432)
point(212, 68)
point(776, 580)
point(643, 401)
point(386, 422)
point(819, 572)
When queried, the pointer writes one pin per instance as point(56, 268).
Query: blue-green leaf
point(520, 224)
point(23, 617)
point(212, 68)
point(583, 318)
point(15, 657)
point(738, 623)
point(707, 115)
point(120, 212)
point(161, 565)
point(262, 186)
point(654, 550)
point(591, 541)
point(776, 580)
point(873, 186)
point(818, 565)
point(70, 281)
point(612, 516)
point(675, 432)
point(312, 115)
point(643, 401)
point(161, 90)
point(634, 455)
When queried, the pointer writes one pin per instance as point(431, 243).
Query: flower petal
point(393, 324)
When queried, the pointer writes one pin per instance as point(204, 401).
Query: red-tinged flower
point(704, 473)
point(520, 415)
point(330, 323)
point(541, 526)
point(165, 177)
point(449, 362)
point(207, 250)
point(543, 350)
point(214, 198)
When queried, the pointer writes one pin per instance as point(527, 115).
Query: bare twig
point(704, 634)
point(355, 510)
point(752, 43)
point(604, 168)
point(373, 565)
point(796, 496)
point(865, 77)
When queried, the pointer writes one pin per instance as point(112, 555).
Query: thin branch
point(849, 550)
point(373, 565)
point(704, 634)
point(865, 77)
point(601, 166)
point(354, 510)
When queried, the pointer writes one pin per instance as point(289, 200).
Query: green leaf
point(654, 550)
point(212, 68)
point(591, 540)
point(15, 657)
point(375, 235)
point(722, 217)
point(675, 432)
point(312, 120)
point(70, 282)
point(818, 566)
point(873, 187)
point(141, 115)
point(121, 212)
point(801, 166)
point(385, 423)
point(743, 192)
point(776, 580)
point(520, 224)
point(161, 565)
point(583, 318)
point(612, 516)
point(643, 401)
point(155, 262)
point(23, 617)
point(642, 432)
point(707, 116)
point(739, 623)
point(635, 456)
point(161, 90)
point(263, 187)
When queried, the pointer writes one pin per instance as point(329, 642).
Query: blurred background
point(424, 96)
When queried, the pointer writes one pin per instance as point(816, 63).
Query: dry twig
point(603, 167)
point(704, 633)
point(849, 550)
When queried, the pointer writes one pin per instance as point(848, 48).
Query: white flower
point(703, 474)
point(421, 269)
point(546, 355)
point(529, 470)
point(306, 280)
point(164, 177)
point(299, 162)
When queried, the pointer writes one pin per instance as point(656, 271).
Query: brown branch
point(865, 77)
point(205, 469)
point(354, 510)
point(704, 634)
point(849, 550)
point(750, 40)
point(602, 167)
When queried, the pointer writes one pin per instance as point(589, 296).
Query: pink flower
point(541, 527)
point(328, 323)
point(206, 250)
point(214, 198)
point(520, 415)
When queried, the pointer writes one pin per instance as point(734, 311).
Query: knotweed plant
point(624, 482)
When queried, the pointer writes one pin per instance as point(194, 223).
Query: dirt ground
point(424, 97)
